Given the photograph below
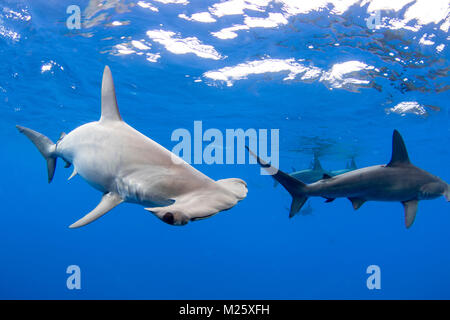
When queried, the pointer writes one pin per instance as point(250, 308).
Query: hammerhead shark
point(311, 175)
point(399, 180)
point(316, 172)
point(127, 166)
point(349, 167)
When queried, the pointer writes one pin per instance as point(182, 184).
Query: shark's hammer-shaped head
point(202, 203)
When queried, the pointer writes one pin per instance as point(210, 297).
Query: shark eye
point(168, 218)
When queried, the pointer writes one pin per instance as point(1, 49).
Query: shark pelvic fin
point(74, 173)
point(357, 202)
point(61, 136)
point(410, 211)
point(109, 201)
point(399, 152)
point(110, 110)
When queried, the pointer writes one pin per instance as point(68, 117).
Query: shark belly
point(123, 161)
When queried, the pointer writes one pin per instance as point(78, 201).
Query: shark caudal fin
point(294, 186)
point(45, 146)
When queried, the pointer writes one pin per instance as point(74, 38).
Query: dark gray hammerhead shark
point(399, 180)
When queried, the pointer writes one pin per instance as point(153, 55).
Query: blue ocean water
point(330, 81)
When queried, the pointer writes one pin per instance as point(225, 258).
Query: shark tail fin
point(45, 146)
point(295, 187)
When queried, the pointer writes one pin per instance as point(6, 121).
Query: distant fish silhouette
point(313, 174)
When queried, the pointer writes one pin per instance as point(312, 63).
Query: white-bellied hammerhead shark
point(399, 180)
point(129, 167)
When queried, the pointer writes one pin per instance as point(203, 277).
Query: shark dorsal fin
point(353, 164)
point(110, 110)
point(316, 165)
point(399, 152)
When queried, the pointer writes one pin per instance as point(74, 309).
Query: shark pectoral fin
point(330, 200)
point(74, 173)
point(109, 201)
point(357, 202)
point(326, 176)
point(410, 211)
